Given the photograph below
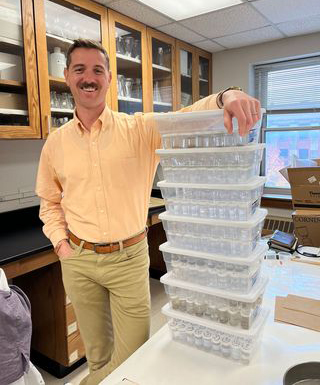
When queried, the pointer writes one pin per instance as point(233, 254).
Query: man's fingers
point(228, 121)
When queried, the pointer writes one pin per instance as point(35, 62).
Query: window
point(290, 93)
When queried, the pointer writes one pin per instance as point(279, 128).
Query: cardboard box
point(307, 227)
point(305, 186)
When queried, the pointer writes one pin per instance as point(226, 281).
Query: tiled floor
point(158, 299)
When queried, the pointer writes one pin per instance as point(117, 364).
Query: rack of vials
point(213, 223)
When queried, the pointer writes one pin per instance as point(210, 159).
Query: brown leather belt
point(105, 248)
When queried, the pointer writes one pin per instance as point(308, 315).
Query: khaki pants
point(109, 291)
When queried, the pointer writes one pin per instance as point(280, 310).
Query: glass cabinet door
point(19, 102)
point(186, 74)
point(63, 23)
point(129, 69)
point(127, 46)
point(204, 74)
point(162, 59)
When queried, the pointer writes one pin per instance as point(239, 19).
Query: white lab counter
point(161, 361)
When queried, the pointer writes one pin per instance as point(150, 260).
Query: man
point(94, 180)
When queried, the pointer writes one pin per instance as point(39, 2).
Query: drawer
point(75, 348)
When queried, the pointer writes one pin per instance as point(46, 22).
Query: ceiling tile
point(256, 36)
point(140, 12)
point(279, 11)
point(180, 32)
point(301, 27)
point(226, 21)
point(209, 45)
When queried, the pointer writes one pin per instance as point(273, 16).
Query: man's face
point(88, 77)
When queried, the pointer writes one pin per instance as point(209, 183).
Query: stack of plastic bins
point(213, 224)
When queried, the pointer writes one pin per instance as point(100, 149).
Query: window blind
point(289, 85)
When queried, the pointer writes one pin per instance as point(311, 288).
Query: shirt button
point(99, 188)
point(95, 165)
point(93, 143)
point(104, 233)
point(102, 211)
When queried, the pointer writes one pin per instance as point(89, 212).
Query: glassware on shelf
point(64, 102)
point(136, 49)
point(54, 101)
point(121, 85)
point(128, 87)
point(160, 56)
point(137, 88)
point(128, 44)
point(156, 92)
point(120, 45)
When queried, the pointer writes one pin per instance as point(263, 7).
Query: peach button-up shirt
point(97, 183)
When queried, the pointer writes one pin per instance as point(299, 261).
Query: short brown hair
point(86, 43)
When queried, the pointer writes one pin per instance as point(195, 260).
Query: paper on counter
point(299, 311)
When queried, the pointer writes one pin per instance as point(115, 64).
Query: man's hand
point(63, 249)
point(243, 107)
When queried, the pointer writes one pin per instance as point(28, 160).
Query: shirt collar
point(101, 120)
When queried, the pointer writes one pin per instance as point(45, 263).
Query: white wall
point(18, 168)
point(234, 67)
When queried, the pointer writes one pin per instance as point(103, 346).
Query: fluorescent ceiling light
point(183, 9)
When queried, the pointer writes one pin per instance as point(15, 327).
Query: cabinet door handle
point(48, 123)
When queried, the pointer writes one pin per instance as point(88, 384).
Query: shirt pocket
point(124, 171)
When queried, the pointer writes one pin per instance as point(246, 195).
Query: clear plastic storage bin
point(234, 309)
point(212, 157)
point(232, 202)
point(217, 236)
point(219, 272)
point(201, 129)
point(222, 340)
point(228, 165)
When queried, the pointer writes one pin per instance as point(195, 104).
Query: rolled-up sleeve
point(49, 190)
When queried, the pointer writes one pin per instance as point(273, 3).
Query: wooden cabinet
point(186, 77)
point(130, 91)
point(162, 70)
point(58, 23)
point(203, 63)
point(151, 71)
point(55, 329)
point(19, 98)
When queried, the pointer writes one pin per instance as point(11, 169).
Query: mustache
point(85, 84)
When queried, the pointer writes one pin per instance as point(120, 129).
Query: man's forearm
point(55, 227)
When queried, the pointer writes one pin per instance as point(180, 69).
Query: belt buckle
point(99, 245)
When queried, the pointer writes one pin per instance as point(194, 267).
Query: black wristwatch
point(220, 94)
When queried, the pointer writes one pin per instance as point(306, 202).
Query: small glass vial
point(190, 305)
point(173, 325)
point(226, 346)
point(174, 302)
point(245, 316)
point(198, 338)
point(245, 353)
point(199, 307)
point(235, 349)
point(216, 340)
point(190, 334)
point(207, 340)
point(234, 313)
point(223, 314)
point(182, 331)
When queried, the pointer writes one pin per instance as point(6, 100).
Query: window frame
point(264, 129)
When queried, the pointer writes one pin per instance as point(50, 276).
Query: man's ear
point(66, 75)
